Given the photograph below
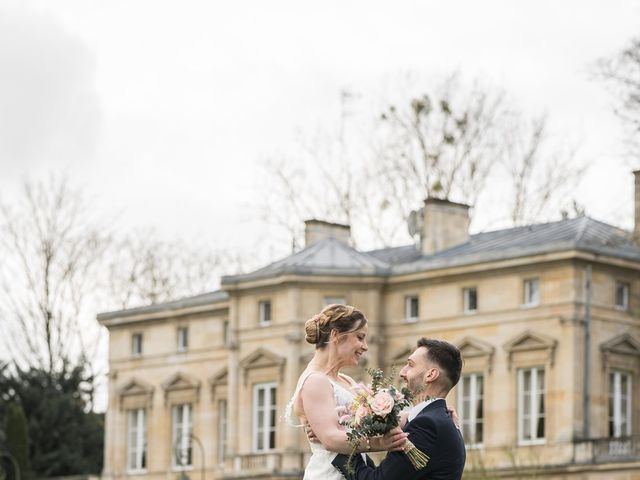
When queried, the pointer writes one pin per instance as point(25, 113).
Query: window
point(225, 332)
point(531, 407)
point(619, 404)
point(264, 312)
point(136, 344)
point(622, 295)
point(183, 339)
point(471, 408)
point(136, 440)
point(222, 430)
point(531, 292)
point(181, 443)
point(334, 300)
point(411, 308)
point(470, 300)
point(264, 417)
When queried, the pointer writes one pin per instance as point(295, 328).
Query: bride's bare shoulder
point(315, 381)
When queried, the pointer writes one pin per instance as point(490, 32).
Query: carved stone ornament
point(528, 342)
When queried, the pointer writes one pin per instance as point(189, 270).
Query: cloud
point(49, 110)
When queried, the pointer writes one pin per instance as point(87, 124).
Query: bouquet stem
point(417, 458)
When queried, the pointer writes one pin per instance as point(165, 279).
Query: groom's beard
point(415, 386)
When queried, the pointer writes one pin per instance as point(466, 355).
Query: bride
point(339, 333)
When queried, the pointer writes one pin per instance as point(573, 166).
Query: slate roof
point(332, 257)
point(329, 256)
point(582, 233)
point(195, 301)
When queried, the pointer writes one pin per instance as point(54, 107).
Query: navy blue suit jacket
point(433, 433)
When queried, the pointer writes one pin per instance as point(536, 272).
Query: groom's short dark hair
point(446, 356)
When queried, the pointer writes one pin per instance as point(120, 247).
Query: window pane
point(622, 294)
point(334, 300)
point(540, 428)
point(472, 299)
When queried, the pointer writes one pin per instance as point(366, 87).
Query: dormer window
point(136, 344)
point(622, 295)
point(411, 308)
point(264, 313)
point(470, 298)
point(531, 292)
point(183, 339)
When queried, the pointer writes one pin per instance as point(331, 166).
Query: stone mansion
point(547, 317)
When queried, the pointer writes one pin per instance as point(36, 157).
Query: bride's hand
point(393, 440)
point(310, 435)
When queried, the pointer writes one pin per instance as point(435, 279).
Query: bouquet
point(375, 411)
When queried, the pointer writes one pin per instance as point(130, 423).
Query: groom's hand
point(393, 440)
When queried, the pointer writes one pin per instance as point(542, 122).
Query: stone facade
point(518, 311)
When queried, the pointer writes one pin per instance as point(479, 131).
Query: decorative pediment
point(181, 387)
point(135, 387)
point(180, 381)
point(218, 379)
point(621, 349)
point(623, 344)
point(261, 358)
point(135, 394)
point(531, 342)
point(478, 353)
point(472, 347)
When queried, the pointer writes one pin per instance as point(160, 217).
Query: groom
point(432, 370)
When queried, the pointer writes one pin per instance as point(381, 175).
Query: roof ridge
point(583, 228)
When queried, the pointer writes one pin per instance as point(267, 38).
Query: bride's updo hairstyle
point(342, 318)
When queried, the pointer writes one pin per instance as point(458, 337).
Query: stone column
point(376, 329)
point(109, 424)
point(233, 379)
point(291, 437)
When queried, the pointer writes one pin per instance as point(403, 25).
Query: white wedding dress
point(319, 466)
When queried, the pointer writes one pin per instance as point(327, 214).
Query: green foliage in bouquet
point(375, 411)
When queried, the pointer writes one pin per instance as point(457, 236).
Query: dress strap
point(288, 411)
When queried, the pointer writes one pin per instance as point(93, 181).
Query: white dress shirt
point(416, 409)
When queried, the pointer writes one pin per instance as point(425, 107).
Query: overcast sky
point(163, 110)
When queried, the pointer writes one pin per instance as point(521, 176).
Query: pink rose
point(344, 420)
point(382, 403)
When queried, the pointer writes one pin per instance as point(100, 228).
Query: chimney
point(445, 224)
point(317, 230)
point(636, 225)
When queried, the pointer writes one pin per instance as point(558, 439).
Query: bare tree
point(147, 269)
point(60, 265)
point(323, 180)
point(541, 175)
point(622, 73)
point(51, 252)
point(442, 145)
point(457, 143)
